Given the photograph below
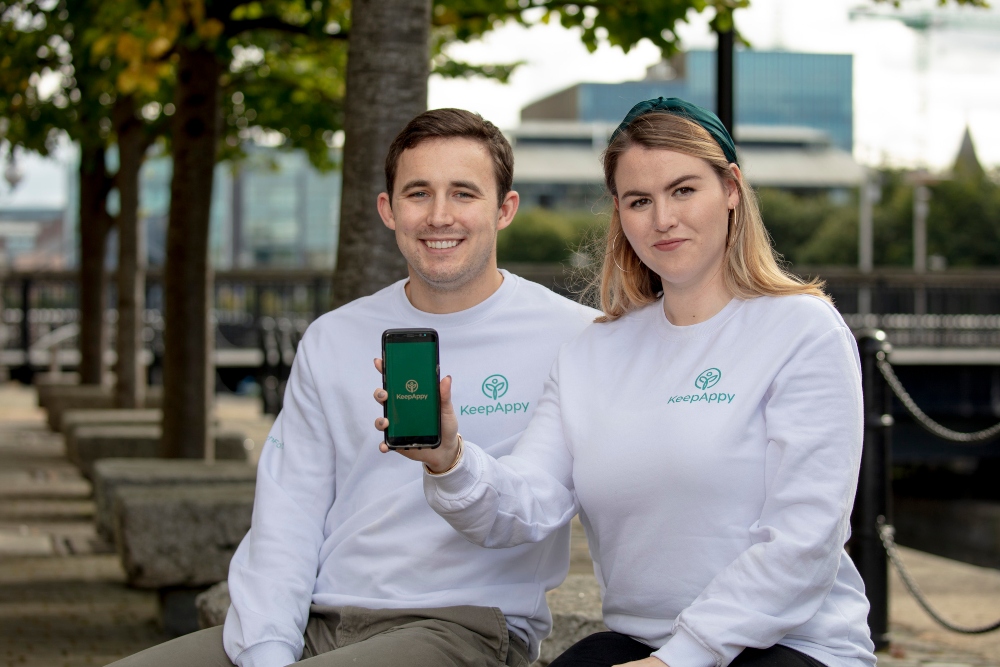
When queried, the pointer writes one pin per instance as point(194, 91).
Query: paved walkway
point(63, 601)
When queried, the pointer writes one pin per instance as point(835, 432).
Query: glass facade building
point(771, 88)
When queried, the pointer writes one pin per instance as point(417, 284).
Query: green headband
point(692, 112)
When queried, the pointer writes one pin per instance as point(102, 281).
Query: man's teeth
point(441, 245)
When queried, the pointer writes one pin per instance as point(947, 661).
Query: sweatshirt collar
point(479, 312)
point(690, 331)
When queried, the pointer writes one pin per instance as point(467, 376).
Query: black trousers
point(605, 649)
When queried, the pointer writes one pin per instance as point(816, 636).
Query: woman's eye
point(683, 191)
point(641, 201)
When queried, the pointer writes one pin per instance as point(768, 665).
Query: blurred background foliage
point(812, 229)
point(544, 235)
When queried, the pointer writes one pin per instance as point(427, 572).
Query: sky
point(913, 95)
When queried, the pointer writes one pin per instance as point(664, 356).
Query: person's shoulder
point(801, 314)
point(634, 321)
point(551, 305)
point(360, 314)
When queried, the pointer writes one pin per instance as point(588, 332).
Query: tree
point(216, 47)
point(62, 41)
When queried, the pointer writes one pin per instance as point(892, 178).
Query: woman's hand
point(645, 662)
point(442, 457)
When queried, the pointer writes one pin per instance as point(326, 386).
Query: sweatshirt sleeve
point(813, 413)
point(273, 572)
point(519, 498)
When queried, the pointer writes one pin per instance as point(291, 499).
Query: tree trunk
point(188, 373)
point(388, 62)
point(94, 226)
point(130, 389)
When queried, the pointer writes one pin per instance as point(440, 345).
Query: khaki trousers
point(340, 636)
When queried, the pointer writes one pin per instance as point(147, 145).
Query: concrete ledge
point(213, 605)
point(111, 475)
point(91, 443)
point(180, 535)
point(575, 606)
point(59, 399)
point(72, 419)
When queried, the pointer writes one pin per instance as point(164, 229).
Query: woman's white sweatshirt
point(714, 468)
point(336, 522)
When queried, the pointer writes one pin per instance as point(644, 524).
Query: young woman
point(707, 429)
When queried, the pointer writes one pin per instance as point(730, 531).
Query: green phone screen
point(411, 381)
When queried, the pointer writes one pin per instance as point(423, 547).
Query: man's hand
point(645, 662)
point(442, 457)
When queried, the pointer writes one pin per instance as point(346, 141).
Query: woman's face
point(675, 212)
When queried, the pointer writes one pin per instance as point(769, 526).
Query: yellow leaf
point(158, 47)
point(128, 47)
point(127, 82)
point(210, 29)
point(102, 44)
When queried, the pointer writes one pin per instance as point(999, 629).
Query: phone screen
point(411, 380)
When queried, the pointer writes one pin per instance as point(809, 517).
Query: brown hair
point(449, 124)
point(751, 265)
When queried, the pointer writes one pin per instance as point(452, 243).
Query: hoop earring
point(730, 223)
point(614, 259)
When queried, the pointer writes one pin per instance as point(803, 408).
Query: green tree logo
point(495, 386)
point(708, 379)
point(412, 386)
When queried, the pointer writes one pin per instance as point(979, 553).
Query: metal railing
point(873, 543)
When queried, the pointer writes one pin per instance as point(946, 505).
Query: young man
point(345, 563)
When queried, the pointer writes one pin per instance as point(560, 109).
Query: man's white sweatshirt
point(336, 522)
point(714, 467)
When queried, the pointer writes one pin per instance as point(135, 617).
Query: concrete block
point(213, 605)
point(71, 419)
point(60, 399)
point(181, 535)
point(110, 475)
point(91, 443)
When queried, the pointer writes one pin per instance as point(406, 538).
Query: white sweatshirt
point(714, 468)
point(336, 522)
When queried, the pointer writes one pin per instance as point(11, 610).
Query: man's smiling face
point(445, 213)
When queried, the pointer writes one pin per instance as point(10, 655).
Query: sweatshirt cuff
point(683, 650)
point(461, 479)
point(267, 654)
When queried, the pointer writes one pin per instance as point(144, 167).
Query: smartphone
point(411, 376)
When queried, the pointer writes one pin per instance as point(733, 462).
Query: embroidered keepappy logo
point(705, 380)
point(495, 386)
point(412, 386)
point(708, 379)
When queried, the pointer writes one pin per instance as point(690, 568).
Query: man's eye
point(464, 195)
point(418, 194)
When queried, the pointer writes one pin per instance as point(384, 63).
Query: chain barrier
point(921, 417)
point(887, 533)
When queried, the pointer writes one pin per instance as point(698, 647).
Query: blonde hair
point(751, 266)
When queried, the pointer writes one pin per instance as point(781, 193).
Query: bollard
point(872, 501)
